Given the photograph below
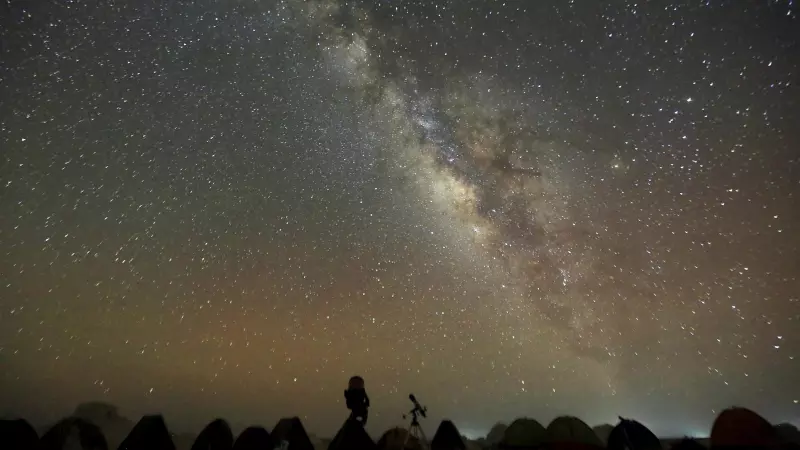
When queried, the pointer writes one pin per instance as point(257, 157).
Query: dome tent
point(632, 435)
point(216, 435)
point(394, 438)
point(89, 435)
point(291, 431)
point(97, 412)
point(447, 437)
point(523, 433)
point(737, 427)
point(17, 435)
point(254, 438)
point(603, 432)
point(571, 432)
point(788, 434)
point(114, 426)
point(352, 437)
point(496, 434)
point(150, 433)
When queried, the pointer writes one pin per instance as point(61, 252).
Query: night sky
point(227, 208)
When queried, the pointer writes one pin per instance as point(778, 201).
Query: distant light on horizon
point(696, 434)
point(472, 433)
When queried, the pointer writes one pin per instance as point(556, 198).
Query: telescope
point(418, 409)
point(415, 430)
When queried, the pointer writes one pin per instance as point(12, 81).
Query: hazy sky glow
point(508, 208)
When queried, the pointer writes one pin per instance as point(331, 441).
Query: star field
point(507, 208)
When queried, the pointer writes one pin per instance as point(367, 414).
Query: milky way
point(228, 208)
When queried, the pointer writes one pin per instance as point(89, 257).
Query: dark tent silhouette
point(603, 432)
point(567, 432)
point(496, 434)
point(788, 434)
point(96, 412)
point(447, 437)
point(88, 435)
point(107, 418)
point(291, 431)
point(687, 444)
point(352, 437)
point(17, 435)
point(254, 438)
point(150, 433)
point(632, 435)
point(217, 435)
point(738, 427)
point(523, 433)
point(394, 438)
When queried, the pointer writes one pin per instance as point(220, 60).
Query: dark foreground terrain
point(98, 426)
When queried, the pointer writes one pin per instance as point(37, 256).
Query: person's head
point(356, 382)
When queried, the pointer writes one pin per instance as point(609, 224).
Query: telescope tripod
point(417, 432)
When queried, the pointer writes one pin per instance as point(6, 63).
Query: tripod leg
point(416, 431)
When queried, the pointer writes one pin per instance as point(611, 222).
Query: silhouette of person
point(357, 400)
